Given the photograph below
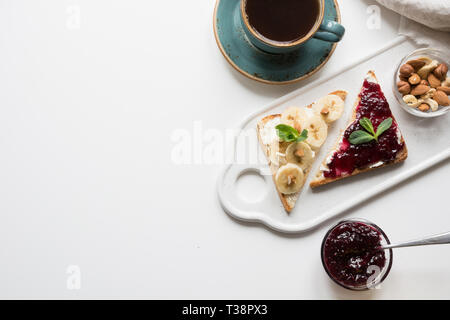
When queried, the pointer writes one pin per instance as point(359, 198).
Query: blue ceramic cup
point(325, 30)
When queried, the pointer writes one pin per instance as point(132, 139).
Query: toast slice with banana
point(292, 139)
point(372, 139)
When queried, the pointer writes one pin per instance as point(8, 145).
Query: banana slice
point(316, 126)
point(300, 153)
point(329, 107)
point(278, 153)
point(289, 179)
point(290, 117)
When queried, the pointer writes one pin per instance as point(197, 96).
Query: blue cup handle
point(330, 31)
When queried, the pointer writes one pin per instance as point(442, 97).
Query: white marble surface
point(87, 114)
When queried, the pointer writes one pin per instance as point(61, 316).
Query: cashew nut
point(412, 101)
point(433, 104)
point(425, 59)
point(429, 94)
point(426, 69)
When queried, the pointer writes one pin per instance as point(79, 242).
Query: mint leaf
point(287, 133)
point(303, 136)
point(367, 124)
point(385, 125)
point(360, 137)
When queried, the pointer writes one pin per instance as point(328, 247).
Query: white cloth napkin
point(427, 22)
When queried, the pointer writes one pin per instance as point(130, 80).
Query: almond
point(441, 98)
point(420, 90)
point(441, 71)
point(425, 82)
point(414, 79)
point(416, 64)
point(433, 81)
point(424, 107)
point(446, 90)
point(406, 70)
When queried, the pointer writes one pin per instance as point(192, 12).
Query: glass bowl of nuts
point(421, 84)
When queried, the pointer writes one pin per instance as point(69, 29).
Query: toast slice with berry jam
point(349, 159)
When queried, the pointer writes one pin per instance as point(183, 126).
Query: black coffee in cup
point(282, 20)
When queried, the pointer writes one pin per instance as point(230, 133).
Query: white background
point(86, 176)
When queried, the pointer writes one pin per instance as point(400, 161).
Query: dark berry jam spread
point(372, 105)
point(349, 250)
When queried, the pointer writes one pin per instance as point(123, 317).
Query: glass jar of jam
point(352, 257)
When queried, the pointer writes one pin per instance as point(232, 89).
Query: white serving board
point(428, 142)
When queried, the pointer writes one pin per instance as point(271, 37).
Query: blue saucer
point(265, 67)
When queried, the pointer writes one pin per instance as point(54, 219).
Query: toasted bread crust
point(321, 180)
point(288, 201)
point(284, 199)
point(401, 156)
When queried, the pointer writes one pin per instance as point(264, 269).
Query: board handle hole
point(251, 186)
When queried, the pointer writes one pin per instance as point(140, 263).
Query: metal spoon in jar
point(443, 238)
